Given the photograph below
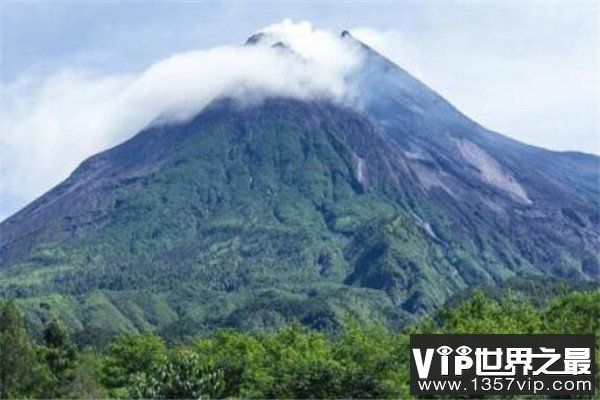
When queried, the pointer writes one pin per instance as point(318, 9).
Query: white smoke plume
point(49, 126)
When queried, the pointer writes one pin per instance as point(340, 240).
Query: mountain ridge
point(253, 215)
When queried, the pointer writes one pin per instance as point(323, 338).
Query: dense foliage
point(358, 361)
point(252, 217)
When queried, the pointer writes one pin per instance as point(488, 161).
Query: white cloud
point(536, 81)
point(49, 126)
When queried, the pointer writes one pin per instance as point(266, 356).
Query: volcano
point(250, 215)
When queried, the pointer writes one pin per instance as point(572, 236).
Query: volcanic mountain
point(255, 214)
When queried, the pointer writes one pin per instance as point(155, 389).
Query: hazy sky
point(528, 70)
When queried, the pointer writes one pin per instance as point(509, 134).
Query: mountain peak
point(255, 39)
point(397, 197)
point(266, 39)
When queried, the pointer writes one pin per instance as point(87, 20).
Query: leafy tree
point(21, 372)
point(301, 364)
point(185, 375)
point(576, 312)
point(241, 357)
point(480, 314)
point(374, 360)
point(129, 355)
point(60, 355)
point(86, 377)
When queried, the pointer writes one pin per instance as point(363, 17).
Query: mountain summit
point(250, 215)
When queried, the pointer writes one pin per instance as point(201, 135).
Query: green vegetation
point(292, 361)
point(250, 218)
point(288, 249)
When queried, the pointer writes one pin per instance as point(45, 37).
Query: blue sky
point(528, 70)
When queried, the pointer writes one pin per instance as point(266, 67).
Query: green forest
point(357, 360)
